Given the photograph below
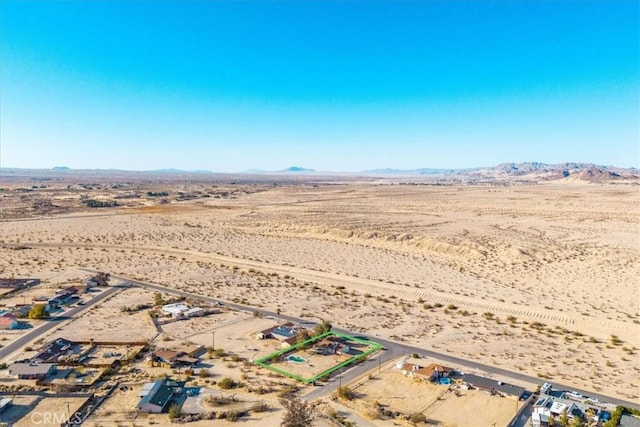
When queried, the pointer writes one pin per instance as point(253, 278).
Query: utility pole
point(379, 368)
point(213, 340)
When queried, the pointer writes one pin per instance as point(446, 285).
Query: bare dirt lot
point(107, 322)
point(442, 405)
point(539, 278)
point(51, 411)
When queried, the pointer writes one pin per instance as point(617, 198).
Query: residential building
point(18, 283)
point(4, 404)
point(263, 335)
point(60, 300)
point(289, 342)
point(31, 371)
point(330, 346)
point(283, 332)
point(53, 351)
point(547, 407)
point(175, 310)
point(195, 312)
point(21, 310)
point(431, 372)
point(172, 359)
point(91, 282)
point(8, 321)
point(69, 290)
point(155, 397)
point(494, 386)
point(280, 332)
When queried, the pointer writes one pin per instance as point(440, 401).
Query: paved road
point(54, 322)
point(393, 350)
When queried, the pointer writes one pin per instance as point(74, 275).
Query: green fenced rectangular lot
point(334, 362)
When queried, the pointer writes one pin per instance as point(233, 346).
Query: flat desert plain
point(537, 278)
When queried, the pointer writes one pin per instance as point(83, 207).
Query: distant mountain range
point(292, 169)
point(534, 171)
point(531, 170)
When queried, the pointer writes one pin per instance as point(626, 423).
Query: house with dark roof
point(284, 332)
point(64, 298)
point(329, 346)
point(156, 396)
point(279, 332)
point(69, 290)
point(289, 342)
point(21, 310)
point(172, 359)
point(53, 351)
point(4, 404)
point(263, 335)
point(493, 386)
point(31, 371)
point(18, 283)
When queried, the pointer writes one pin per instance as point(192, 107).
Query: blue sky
point(332, 85)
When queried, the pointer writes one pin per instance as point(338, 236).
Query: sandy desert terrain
point(441, 405)
point(541, 279)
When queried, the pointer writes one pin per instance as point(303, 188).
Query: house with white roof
point(547, 407)
point(175, 310)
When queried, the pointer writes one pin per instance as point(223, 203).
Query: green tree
point(303, 336)
point(298, 413)
point(103, 279)
point(323, 327)
point(158, 301)
point(564, 419)
point(39, 311)
point(589, 414)
point(576, 422)
point(615, 417)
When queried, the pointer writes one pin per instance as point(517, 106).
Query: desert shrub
point(298, 413)
point(218, 352)
point(233, 416)
point(260, 407)
point(174, 412)
point(417, 418)
point(227, 383)
point(345, 393)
